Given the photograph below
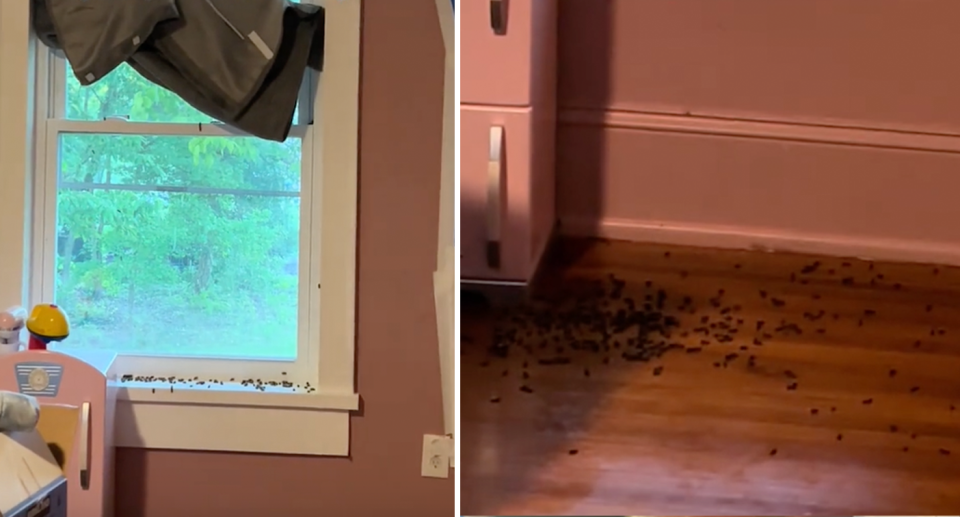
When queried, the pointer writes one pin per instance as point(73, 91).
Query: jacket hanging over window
point(241, 63)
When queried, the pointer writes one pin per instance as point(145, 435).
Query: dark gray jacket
point(242, 63)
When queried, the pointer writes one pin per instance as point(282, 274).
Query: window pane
point(124, 93)
point(181, 161)
point(144, 267)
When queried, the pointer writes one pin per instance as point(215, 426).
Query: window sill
point(232, 417)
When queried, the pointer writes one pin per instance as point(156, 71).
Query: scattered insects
point(554, 361)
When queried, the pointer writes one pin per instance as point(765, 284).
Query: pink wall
point(398, 365)
point(812, 125)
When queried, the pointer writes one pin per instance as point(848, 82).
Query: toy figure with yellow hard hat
point(47, 322)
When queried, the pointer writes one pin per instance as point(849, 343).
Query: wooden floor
point(750, 384)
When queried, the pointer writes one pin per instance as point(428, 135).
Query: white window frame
point(231, 417)
point(446, 237)
point(51, 123)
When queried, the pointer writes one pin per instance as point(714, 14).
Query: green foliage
point(157, 270)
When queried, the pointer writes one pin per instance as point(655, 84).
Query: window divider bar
point(76, 185)
point(124, 127)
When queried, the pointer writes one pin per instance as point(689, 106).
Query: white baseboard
point(781, 130)
point(758, 239)
point(873, 193)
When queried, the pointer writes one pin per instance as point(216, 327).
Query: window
point(200, 253)
point(183, 247)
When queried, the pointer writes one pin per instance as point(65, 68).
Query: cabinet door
point(495, 51)
point(495, 218)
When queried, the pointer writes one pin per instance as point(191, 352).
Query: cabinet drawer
point(497, 51)
point(495, 208)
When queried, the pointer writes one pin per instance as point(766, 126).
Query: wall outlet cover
point(436, 457)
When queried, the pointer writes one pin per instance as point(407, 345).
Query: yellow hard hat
point(48, 321)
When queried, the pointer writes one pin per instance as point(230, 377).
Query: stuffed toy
point(18, 412)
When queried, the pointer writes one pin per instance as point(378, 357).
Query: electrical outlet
point(436, 457)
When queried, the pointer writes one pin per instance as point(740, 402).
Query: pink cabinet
point(507, 132)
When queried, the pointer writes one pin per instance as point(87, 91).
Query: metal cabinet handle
point(495, 197)
point(498, 16)
point(85, 446)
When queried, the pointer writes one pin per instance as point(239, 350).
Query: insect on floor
point(666, 380)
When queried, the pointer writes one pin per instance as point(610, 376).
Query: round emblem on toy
point(39, 379)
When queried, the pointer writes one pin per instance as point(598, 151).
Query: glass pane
point(181, 161)
point(144, 268)
point(124, 93)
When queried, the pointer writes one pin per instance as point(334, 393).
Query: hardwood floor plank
point(870, 427)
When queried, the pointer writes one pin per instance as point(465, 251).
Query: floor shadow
point(516, 380)
point(533, 375)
